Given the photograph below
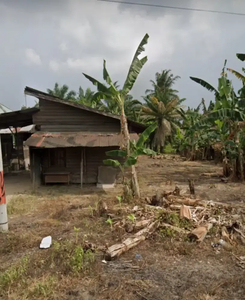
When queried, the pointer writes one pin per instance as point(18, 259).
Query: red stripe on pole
point(2, 189)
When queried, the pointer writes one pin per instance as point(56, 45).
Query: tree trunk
point(125, 145)
point(241, 162)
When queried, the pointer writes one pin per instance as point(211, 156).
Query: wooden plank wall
point(73, 159)
point(93, 158)
point(57, 117)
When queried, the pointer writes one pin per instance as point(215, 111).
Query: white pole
point(3, 204)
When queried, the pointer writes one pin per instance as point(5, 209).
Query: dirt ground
point(160, 268)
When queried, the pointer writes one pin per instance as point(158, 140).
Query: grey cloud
point(188, 43)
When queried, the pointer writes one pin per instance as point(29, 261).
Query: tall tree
point(85, 97)
point(62, 92)
point(228, 117)
point(163, 85)
point(162, 105)
point(167, 116)
point(110, 91)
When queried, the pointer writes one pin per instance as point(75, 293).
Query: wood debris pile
point(188, 216)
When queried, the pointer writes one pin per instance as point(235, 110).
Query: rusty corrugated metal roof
point(77, 139)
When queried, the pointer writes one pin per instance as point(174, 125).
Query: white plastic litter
point(46, 242)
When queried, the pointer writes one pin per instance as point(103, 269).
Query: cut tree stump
point(191, 187)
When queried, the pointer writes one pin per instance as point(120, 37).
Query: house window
point(57, 157)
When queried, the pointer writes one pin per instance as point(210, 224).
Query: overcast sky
point(48, 41)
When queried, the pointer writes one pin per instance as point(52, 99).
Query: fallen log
point(213, 175)
point(131, 242)
point(141, 224)
point(188, 202)
point(178, 207)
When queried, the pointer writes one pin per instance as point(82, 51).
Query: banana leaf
point(205, 84)
point(241, 56)
point(135, 67)
point(145, 135)
point(117, 153)
point(112, 162)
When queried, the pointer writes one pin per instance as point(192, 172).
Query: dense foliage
point(214, 131)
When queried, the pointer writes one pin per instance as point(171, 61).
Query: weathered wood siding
point(73, 159)
point(92, 159)
point(57, 117)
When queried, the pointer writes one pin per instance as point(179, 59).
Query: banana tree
point(109, 90)
point(136, 149)
point(229, 112)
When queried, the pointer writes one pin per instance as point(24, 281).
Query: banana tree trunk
point(125, 145)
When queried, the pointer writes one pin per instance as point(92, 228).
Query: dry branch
point(117, 249)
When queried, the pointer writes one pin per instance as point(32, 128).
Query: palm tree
point(163, 85)
point(85, 97)
point(62, 92)
point(131, 107)
point(166, 114)
point(162, 104)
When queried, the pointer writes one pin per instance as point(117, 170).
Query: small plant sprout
point(119, 198)
point(109, 221)
point(77, 231)
point(132, 218)
point(91, 210)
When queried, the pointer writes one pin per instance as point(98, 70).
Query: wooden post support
point(3, 204)
point(81, 167)
point(17, 146)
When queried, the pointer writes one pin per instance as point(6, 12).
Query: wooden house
point(71, 142)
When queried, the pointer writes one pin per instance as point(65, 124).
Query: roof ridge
point(45, 96)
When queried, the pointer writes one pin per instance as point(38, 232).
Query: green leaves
point(205, 84)
point(145, 135)
point(135, 67)
point(117, 153)
point(100, 86)
point(107, 78)
point(136, 149)
point(130, 161)
point(112, 162)
point(241, 56)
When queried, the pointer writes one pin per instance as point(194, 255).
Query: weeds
point(69, 258)
point(13, 274)
point(77, 233)
point(42, 288)
point(119, 198)
point(110, 222)
point(132, 218)
point(167, 232)
point(175, 220)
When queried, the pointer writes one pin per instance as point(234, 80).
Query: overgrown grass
point(42, 288)
point(21, 204)
point(13, 275)
point(12, 241)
